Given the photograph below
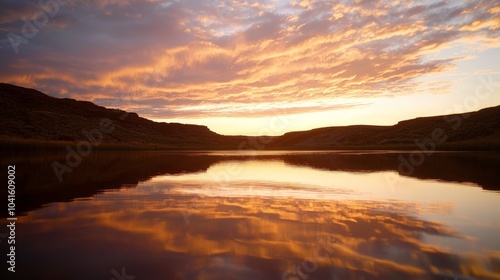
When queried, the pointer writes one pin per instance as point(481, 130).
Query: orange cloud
point(232, 58)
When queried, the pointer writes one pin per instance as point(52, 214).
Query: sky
point(258, 67)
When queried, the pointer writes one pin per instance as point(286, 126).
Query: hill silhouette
point(30, 114)
point(31, 119)
point(40, 185)
point(469, 131)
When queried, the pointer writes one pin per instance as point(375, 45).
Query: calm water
point(258, 215)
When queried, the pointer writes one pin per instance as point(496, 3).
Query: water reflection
point(108, 170)
point(281, 216)
point(242, 238)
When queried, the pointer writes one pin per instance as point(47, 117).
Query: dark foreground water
point(262, 215)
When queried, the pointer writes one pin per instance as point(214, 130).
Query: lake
point(257, 215)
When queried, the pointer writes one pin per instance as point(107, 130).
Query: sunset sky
point(258, 67)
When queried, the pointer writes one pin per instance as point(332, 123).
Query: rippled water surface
point(259, 215)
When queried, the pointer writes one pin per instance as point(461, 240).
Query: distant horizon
point(259, 67)
point(277, 123)
point(283, 120)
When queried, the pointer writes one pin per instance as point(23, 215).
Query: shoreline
point(22, 144)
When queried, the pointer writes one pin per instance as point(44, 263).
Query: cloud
point(373, 239)
point(233, 57)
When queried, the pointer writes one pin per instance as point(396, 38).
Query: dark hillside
point(29, 116)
